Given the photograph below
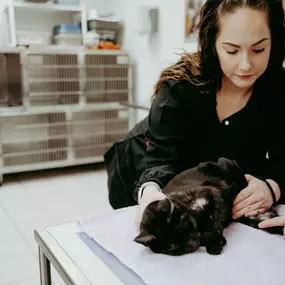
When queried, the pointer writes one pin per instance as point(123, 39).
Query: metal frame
point(52, 130)
point(61, 247)
point(50, 253)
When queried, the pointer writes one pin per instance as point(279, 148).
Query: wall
point(172, 31)
point(4, 35)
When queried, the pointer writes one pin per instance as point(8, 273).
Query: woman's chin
point(244, 83)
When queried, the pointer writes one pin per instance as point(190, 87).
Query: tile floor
point(39, 199)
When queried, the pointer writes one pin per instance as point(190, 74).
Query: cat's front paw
point(215, 246)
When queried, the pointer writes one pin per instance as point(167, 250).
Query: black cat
point(196, 211)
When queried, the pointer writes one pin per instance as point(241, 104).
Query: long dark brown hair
point(203, 68)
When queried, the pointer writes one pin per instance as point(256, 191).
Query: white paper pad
point(250, 257)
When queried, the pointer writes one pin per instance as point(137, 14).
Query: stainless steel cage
point(62, 107)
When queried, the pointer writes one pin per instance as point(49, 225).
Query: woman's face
point(243, 46)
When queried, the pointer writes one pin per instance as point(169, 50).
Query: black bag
point(125, 162)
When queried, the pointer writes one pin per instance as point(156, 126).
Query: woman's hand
point(274, 222)
point(256, 198)
point(151, 193)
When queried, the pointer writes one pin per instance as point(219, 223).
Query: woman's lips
point(245, 76)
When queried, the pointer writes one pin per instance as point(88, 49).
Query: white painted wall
point(172, 30)
point(4, 34)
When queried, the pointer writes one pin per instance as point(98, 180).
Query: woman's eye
point(258, 50)
point(231, 51)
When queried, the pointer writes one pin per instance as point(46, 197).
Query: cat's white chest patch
point(198, 204)
point(262, 217)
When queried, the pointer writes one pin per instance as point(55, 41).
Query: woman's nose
point(245, 64)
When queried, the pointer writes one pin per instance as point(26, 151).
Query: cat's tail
point(255, 220)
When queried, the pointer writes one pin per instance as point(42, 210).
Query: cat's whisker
point(188, 198)
point(181, 203)
point(172, 207)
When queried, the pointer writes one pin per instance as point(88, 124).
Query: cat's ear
point(144, 239)
point(227, 164)
point(164, 206)
point(230, 166)
point(233, 171)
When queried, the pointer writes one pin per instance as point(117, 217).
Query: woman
point(224, 101)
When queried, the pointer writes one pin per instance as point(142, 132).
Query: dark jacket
point(183, 129)
point(125, 162)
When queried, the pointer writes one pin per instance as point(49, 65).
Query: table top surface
point(79, 260)
point(75, 262)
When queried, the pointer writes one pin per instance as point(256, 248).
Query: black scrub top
point(184, 130)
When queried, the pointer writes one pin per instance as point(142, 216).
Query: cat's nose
point(193, 245)
point(173, 247)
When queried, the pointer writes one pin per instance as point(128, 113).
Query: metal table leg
point(45, 272)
